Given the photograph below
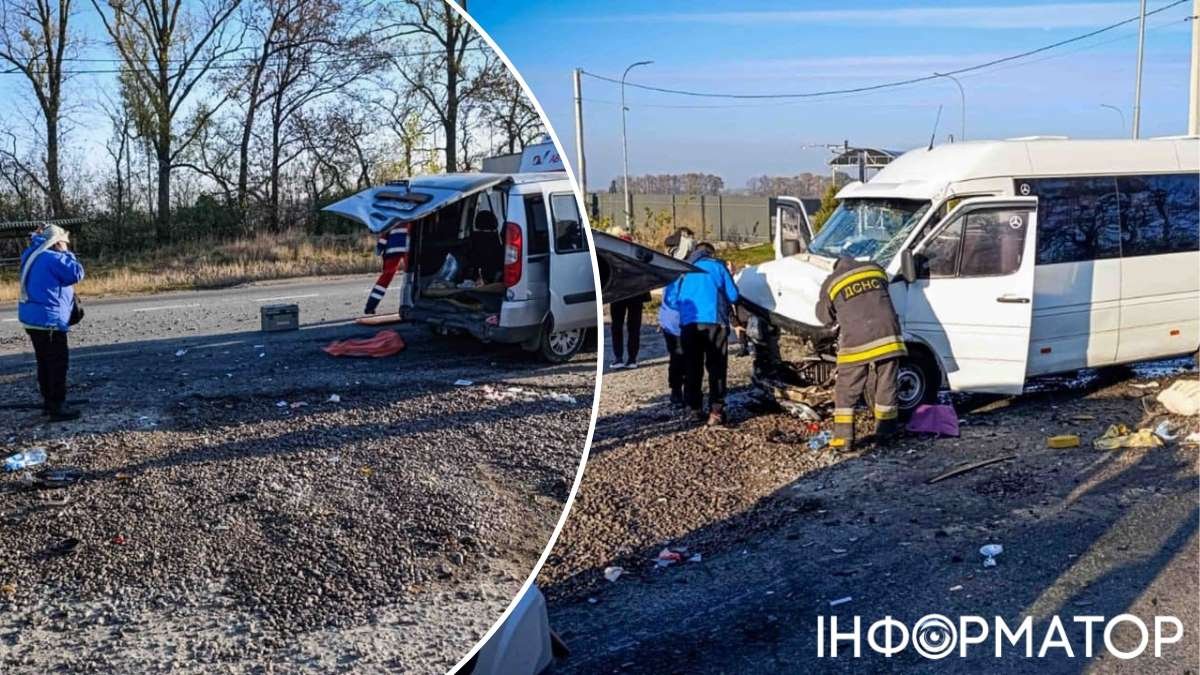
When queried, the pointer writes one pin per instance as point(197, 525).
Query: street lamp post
point(962, 105)
point(1119, 112)
point(627, 207)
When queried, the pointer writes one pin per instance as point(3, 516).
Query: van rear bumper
point(476, 324)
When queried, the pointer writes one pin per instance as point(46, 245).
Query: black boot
point(676, 399)
point(61, 413)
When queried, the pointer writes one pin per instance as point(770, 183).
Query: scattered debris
point(696, 557)
point(968, 467)
point(1144, 385)
point(819, 440)
point(956, 588)
point(9, 589)
point(1119, 436)
point(1163, 431)
point(1193, 438)
point(334, 398)
point(495, 393)
point(281, 404)
point(1063, 441)
point(800, 410)
point(119, 540)
point(840, 601)
point(562, 398)
point(1083, 418)
point(989, 553)
point(463, 383)
point(940, 420)
point(297, 404)
point(25, 459)
point(63, 546)
point(181, 352)
point(1182, 398)
point(613, 573)
point(667, 557)
point(60, 477)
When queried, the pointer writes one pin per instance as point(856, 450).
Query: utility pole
point(1194, 98)
point(627, 207)
point(1137, 86)
point(580, 161)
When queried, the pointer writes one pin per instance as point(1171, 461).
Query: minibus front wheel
point(917, 382)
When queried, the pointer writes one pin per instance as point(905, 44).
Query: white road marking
point(288, 297)
point(162, 307)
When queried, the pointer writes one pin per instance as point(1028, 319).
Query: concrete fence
point(732, 218)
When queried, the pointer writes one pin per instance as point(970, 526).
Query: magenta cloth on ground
point(934, 419)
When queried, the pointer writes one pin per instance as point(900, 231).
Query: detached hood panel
point(379, 208)
point(628, 269)
point(787, 286)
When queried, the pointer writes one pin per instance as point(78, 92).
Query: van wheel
point(561, 346)
point(917, 382)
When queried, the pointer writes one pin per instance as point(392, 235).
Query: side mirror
point(908, 266)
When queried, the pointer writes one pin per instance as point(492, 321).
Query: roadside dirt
point(782, 530)
point(234, 518)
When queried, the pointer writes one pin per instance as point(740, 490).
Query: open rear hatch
point(628, 269)
point(407, 200)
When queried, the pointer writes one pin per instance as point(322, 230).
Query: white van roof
point(926, 173)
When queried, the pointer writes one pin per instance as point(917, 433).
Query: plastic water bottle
point(819, 441)
point(26, 459)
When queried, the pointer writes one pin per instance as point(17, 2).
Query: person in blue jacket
point(704, 300)
point(48, 272)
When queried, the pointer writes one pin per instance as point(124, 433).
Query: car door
point(572, 285)
point(791, 231)
point(628, 269)
point(972, 300)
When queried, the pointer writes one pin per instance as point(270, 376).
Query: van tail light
point(512, 254)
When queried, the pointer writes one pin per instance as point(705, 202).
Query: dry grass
point(206, 264)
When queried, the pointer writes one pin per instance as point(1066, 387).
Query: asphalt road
point(251, 504)
point(772, 535)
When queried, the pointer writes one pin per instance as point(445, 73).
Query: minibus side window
point(983, 243)
point(568, 227)
point(939, 259)
point(537, 230)
point(993, 243)
point(1159, 214)
point(1078, 218)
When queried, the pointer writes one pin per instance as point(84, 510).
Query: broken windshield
point(868, 229)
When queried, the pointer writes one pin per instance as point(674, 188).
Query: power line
point(886, 85)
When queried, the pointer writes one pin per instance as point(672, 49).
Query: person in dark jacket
point(626, 321)
point(679, 246)
point(856, 298)
point(48, 272)
point(703, 300)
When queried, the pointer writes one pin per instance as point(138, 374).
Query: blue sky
point(759, 47)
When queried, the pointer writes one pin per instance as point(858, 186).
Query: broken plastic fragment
point(181, 352)
point(613, 573)
point(840, 601)
point(334, 398)
point(463, 383)
point(989, 553)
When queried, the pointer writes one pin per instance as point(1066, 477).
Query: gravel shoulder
point(234, 518)
point(782, 530)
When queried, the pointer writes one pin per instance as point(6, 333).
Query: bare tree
point(167, 50)
point(506, 107)
point(406, 119)
point(443, 76)
point(35, 38)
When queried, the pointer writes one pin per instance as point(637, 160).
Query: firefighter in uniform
point(392, 246)
point(856, 298)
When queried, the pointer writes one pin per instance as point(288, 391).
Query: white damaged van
point(1009, 259)
point(503, 257)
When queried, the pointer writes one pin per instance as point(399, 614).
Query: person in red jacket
point(392, 246)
